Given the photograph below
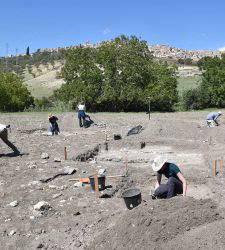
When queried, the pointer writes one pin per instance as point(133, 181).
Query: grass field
point(190, 82)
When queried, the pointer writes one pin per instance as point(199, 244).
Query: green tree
point(118, 75)
point(213, 81)
point(28, 51)
point(14, 96)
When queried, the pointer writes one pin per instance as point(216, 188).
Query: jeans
point(54, 128)
point(81, 117)
point(169, 190)
point(4, 137)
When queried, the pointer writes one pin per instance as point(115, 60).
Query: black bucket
point(132, 197)
point(101, 182)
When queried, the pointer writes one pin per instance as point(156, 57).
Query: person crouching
point(54, 127)
point(176, 183)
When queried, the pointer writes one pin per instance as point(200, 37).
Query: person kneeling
point(176, 183)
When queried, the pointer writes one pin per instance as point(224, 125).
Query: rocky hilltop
point(165, 51)
point(161, 51)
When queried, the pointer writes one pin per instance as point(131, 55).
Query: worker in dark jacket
point(54, 127)
point(176, 183)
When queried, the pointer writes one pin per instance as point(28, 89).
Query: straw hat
point(158, 163)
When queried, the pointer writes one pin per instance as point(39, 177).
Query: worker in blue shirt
point(212, 119)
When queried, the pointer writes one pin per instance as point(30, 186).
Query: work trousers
point(210, 123)
point(81, 117)
point(4, 137)
point(173, 187)
point(54, 128)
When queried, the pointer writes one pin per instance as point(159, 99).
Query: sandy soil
point(78, 219)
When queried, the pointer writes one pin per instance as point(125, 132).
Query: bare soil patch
point(77, 219)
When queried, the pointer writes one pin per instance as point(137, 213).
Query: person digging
point(54, 127)
point(212, 119)
point(176, 183)
point(4, 137)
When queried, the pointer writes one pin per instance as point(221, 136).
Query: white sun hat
point(220, 113)
point(158, 163)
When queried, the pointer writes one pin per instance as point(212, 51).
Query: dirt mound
point(154, 223)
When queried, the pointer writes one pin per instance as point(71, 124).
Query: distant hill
point(41, 70)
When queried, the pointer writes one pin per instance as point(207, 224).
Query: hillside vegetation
point(117, 75)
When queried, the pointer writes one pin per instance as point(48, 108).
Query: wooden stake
point(126, 165)
point(96, 185)
point(65, 153)
point(221, 167)
point(214, 167)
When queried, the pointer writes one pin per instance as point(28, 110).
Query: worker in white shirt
point(81, 114)
point(4, 137)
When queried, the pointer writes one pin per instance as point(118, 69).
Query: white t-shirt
point(81, 107)
point(2, 127)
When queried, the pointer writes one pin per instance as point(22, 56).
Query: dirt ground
point(77, 218)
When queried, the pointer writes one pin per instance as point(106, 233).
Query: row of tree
point(118, 75)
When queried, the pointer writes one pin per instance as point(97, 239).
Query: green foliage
point(17, 64)
point(186, 61)
point(118, 75)
point(213, 80)
point(28, 51)
point(14, 96)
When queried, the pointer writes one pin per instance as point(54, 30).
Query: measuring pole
point(149, 108)
point(214, 168)
point(96, 185)
point(65, 153)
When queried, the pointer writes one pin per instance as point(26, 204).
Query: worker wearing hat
point(212, 119)
point(54, 127)
point(176, 183)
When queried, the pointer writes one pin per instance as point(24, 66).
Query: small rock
point(57, 160)
point(42, 205)
point(69, 170)
point(44, 156)
point(12, 232)
point(40, 245)
point(56, 195)
point(78, 184)
point(101, 171)
point(117, 137)
point(13, 203)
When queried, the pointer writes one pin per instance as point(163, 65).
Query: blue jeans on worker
point(54, 128)
point(173, 187)
point(81, 117)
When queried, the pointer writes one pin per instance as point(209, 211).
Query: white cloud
point(222, 49)
point(106, 31)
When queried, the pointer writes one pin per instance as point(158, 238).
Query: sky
point(187, 24)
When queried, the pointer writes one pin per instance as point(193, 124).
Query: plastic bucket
point(132, 197)
point(101, 182)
